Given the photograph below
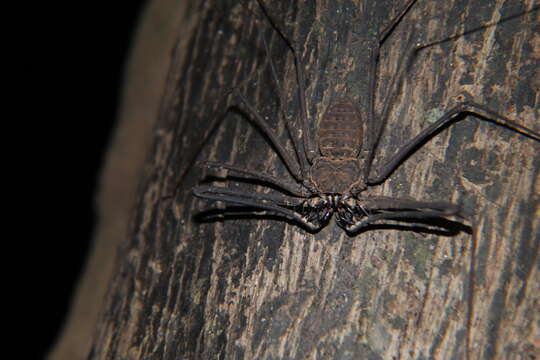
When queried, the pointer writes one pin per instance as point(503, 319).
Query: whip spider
point(333, 167)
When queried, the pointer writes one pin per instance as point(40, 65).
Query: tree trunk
point(196, 282)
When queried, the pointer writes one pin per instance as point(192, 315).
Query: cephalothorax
point(334, 167)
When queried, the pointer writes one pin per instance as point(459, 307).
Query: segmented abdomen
point(340, 130)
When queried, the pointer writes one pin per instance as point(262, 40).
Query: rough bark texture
point(259, 287)
point(145, 74)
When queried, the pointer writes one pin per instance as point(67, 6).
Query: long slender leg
point(402, 66)
point(256, 200)
point(201, 190)
point(307, 136)
point(392, 93)
point(214, 125)
point(398, 215)
point(289, 187)
point(297, 145)
point(392, 24)
point(452, 116)
point(192, 157)
point(263, 126)
point(390, 203)
point(372, 128)
point(380, 208)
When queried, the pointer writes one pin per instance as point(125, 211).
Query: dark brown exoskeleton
point(338, 169)
point(337, 172)
point(335, 167)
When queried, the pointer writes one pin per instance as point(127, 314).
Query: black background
point(76, 57)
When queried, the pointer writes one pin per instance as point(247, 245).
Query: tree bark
point(144, 77)
point(196, 282)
